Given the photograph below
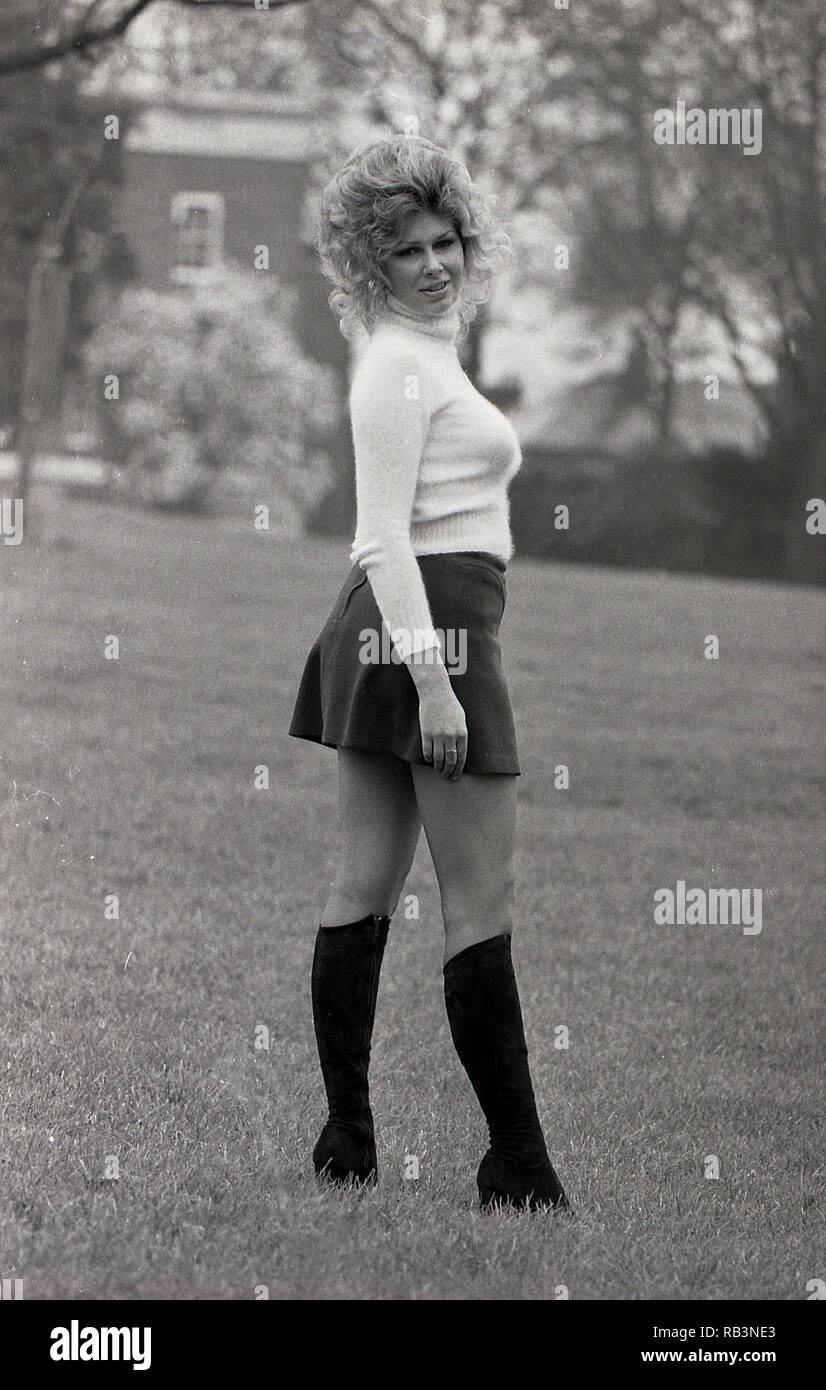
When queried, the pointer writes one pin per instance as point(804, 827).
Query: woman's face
point(427, 265)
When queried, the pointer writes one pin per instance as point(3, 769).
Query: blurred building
point(208, 178)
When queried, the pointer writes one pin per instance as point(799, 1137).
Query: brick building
point(203, 180)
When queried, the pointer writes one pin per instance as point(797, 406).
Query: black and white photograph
point(412, 663)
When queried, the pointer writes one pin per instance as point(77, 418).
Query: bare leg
point(379, 828)
point(470, 826)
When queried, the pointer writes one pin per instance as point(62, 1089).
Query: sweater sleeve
point(390, 407)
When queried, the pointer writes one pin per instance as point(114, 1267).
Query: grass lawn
point(129, 1043)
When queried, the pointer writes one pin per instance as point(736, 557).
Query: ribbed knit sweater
point(434, 459)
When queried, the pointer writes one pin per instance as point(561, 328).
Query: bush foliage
point(212, 378)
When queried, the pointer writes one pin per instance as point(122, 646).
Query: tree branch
point(83, 38)
point(397, 32)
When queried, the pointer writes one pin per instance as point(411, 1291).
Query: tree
point(743, 239)
point(767, 238)
point(49, 140)
point(83, 26)
point(553, 107)
point(51, 187)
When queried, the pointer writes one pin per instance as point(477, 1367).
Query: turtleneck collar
point(445, 327)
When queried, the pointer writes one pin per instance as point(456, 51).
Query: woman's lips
point(435, 290)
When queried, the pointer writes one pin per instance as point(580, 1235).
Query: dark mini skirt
point(352, 694)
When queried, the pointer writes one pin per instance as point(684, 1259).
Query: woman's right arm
point(441, 718)
point(390, 406)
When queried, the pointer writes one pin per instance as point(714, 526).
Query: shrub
point(212, 378)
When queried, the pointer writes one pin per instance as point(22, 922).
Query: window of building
point(197, 234)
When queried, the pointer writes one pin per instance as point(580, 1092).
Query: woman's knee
point(479, 894)
point(470, 829)
point(378, 882)
point(459, 938)
point(373, 883)
point(379, 827)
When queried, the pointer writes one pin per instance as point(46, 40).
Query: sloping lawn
point(151, 1146)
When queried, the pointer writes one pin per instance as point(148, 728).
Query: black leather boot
point(485, 1018)
point(345, 983)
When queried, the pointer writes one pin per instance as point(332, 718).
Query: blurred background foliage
point(682, 264)
point(209, 374)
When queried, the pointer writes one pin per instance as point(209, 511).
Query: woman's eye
point(411, 250)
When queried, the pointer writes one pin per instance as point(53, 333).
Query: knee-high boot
point(485, 1017)
point(344, 983)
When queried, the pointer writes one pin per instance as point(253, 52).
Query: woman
point(423, 728)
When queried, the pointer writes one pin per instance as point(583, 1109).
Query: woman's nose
point(432, 261)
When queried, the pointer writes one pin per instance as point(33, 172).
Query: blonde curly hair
point(362, 213)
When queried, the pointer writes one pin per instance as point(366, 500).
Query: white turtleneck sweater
point(433, 462)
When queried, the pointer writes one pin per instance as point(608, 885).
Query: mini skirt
point(354, 694)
